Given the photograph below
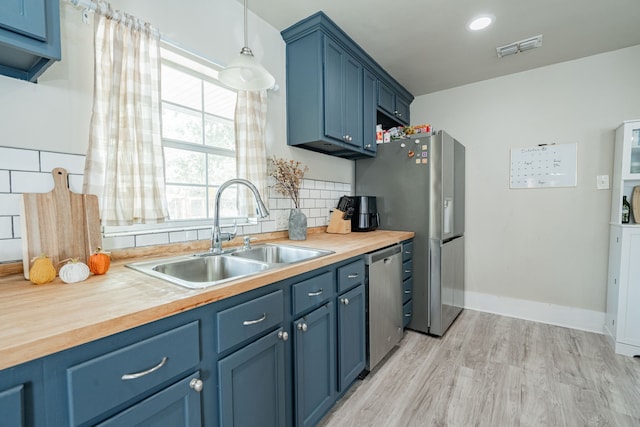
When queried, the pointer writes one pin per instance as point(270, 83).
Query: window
point(199, 145)
point(198, 138)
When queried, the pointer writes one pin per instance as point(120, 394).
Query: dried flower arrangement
point(288, 175)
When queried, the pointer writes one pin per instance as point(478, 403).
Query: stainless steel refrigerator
point(419, 185)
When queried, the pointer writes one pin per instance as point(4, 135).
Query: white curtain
point(251, 154)
point(125, 163)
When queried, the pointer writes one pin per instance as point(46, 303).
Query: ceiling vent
point(521, 46)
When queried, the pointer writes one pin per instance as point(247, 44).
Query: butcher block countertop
point(36, 321)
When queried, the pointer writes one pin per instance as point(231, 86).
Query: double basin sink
point(207, 269)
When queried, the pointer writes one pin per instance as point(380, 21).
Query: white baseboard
point(559, 315)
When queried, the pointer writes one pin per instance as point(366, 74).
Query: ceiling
point(424, 44)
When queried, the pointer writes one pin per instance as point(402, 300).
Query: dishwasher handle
point(382, 254)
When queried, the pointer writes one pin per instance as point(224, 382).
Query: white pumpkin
point(74, 271)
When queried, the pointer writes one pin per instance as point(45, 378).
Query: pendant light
point(244, 72)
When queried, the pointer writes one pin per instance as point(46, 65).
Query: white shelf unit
point(622, 323)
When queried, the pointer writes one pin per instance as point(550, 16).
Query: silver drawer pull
point(315, 294)
point(407, 315)
point(353, 276)
point(407, 271)
point(126, 377)
point(408, 252)
point(407, 292)
point(253, 322)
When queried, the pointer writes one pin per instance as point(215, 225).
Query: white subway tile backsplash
point(329, 185)
point(11, 250)
point(325, 194)
point(19, 159)
point(17, 227)
point(10, 204)
point(315, 194)
point(248, 230)
point(75, 183)
point(183, 236)
point(284, 204)
point(304, 193)
point(31, 182)
point(6, 227)
point(204, 234)
point(152, 239)
point(320, 185)
point(118, 242)
point(308, 183)
point(73, 163)
point(5, 182)
point(268, 226)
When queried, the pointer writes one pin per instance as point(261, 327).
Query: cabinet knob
point(344, 301)
point(302, 327)
point(367, 146)
point(283, 335)
point(347, 138)
point(196, 384)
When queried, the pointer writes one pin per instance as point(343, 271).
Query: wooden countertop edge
point(180, 300)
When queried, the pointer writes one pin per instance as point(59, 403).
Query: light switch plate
point(602, 182)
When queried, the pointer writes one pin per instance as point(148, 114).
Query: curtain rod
point(92, 6)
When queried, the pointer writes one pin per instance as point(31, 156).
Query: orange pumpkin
point(99, 262)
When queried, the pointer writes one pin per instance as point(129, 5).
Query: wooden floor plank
point(490, 370)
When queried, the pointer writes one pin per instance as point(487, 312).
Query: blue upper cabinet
point(332, 96)
point(29, 37)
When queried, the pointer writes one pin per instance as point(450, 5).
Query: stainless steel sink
point(200, 272)
point(208, 269)
point(280, 254)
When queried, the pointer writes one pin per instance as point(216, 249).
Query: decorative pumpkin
point(42, 270)
point(99, 262)
point(74, 271)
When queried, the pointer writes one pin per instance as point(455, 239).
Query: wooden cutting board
point(635, 203)
point(60, 224)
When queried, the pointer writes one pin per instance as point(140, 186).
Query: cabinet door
point(352, 101)
point(252, 384)
point(628, 329)
point(11, 406)
point(386, 98)
point(26, 17)
point(177, 405)
point(333, 91)
point(352, 355)
point(402, 110)
point(369, 112)
point(315, 365)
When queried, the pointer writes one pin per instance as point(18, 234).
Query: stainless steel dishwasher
point(384, 310)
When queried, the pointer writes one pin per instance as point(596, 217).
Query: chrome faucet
point(217, 236)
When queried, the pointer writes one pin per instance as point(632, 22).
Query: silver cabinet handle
point(353, 276)
point(302, 327)
point(283, 335)
point(315, 294)
point(407, 271)
point(253, 322)
point(344, 301)
point(407, 315)
point(126, 377)
point(408, 252)
point(196, 384)
point(407, 291)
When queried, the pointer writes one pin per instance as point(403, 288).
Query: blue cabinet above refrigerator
point(331, 104)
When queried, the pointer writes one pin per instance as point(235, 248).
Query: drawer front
point(11, 402)
point(407, 251)
point(407, 269)
point(350, 275)
point(407, 312)
point(407, 290)
point(312, 292)
point(105, 382)
point(249, 319)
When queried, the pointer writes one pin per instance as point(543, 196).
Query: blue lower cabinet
point(251, 384)
point(315, 365)
point(12, 406)
point(352, 355)
point(177, 405)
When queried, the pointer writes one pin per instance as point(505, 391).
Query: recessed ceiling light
point(480, 22)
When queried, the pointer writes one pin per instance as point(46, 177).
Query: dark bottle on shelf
point(626, 208)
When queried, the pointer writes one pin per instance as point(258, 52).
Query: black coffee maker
point(365, 214)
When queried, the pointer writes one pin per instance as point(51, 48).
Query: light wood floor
point(490, 370)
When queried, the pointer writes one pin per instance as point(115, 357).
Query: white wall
point(54, 114)
point(542, 245)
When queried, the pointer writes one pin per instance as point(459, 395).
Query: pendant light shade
point(244, 72)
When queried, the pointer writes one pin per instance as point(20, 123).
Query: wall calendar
point(544, 166)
